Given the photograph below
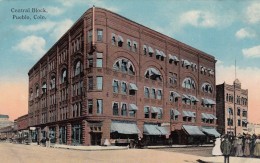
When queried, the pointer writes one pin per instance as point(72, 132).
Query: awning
point(174, 58)
point(129, 41)
point(193, 130)
point(150, 129)
point(185, 114)
point(213, 116)
point(208, 101)
point(144, 47)
point(158, 52)
point(154, 71)
point(188, 114)
point(155, 109)
point(163, 130)
point(133, 107)
point(185, 96)
point(175, 112)
point(120, 38)
point(192, 114)
point(205, 116)
point(175, 94)
point(150, 50)
point(210, 131)
point(244, 120)
point(124, 127)
point(132, 86)
point(186, 63)
point(193, 98)
point(162, 53)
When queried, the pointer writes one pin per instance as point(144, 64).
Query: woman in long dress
point(257, 147)
point(216, 151)
point(247, 148)
point(239, 151)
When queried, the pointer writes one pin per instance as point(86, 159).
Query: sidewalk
point(220, 159)
point(179, 146)
point(89, 148)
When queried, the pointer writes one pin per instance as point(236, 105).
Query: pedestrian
point(226, 148)
point(233, 141)
point(247, 146)
point(216, 151)
point(257, 147)
point(252, 144)
point(47, 142)
point(239, 143)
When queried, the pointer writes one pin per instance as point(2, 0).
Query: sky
point(227, 29)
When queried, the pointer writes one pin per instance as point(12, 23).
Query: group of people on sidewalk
point(245, 145)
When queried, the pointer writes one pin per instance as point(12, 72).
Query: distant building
point(232, 108)
point(4, 121)
point(253, 128)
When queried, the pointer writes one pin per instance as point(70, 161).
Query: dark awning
point(124, 127)
point(151, 129)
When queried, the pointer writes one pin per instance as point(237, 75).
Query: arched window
point(53, 82)
point(188, 83)
point(206, 87)
point(63, 75)
point(37, 91)
point(77, 68)
point(153, 73)
point(124, 65)
point(44, 88)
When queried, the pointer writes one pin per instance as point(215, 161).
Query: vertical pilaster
point(69, 142)
point(57, 133)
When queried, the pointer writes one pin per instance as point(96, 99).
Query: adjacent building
point(109, 79)
point(4, 121)
point(232, 108)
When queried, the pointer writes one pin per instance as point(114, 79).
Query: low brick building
point(232, 108)
point(109, 79)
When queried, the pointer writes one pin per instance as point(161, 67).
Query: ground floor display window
point(63, 135)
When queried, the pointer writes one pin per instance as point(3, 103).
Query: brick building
point(232, 108)
point(109, 78)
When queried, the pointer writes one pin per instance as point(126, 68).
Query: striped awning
point(193, 130)
point(174, 58)
point(150, 50)
point(152, 129)
point(175, 112)
point(133, 107)
point(132, 86)
point(210, 131)
point(175, 94)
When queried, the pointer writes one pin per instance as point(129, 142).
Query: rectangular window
point(159, 115)
point(159, 94)
point(124, 110)
point(99, 82)
point(115, 86)
point(90, 106)
point(239, 122)
point(146, 92)
point(99, 106)
point(99, 34)
point(90, 62)
point(90, 83)
point(153, 93)
point(115, 108)
point(146, 112)
point(123, 88)
point(99, 62)
point(89, 36)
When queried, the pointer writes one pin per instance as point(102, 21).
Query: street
point(19, 153)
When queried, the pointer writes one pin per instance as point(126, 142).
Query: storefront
point(155, 135)
point(63, 135)
point(211, 133)
point(122, 132)
point(52, 134)
point(76, 136)
point(193, 135)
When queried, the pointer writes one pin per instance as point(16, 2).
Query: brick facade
point(66, 88)
point(232, 105)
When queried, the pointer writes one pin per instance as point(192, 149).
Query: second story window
point(146, 112)
point(115, 108)
point(99, 35)
point(124, 110)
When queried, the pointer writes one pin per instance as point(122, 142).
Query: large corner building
point(232, 108)
point(109, 79)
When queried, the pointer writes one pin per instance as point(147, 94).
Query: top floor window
point(153, 74)
point(90, 36)
point(99, 34)
point(37, 91)
point(145, 49)
point(188, 83)
point(120, 41)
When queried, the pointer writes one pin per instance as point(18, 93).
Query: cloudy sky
point(226, 29)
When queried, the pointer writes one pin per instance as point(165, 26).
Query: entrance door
point(76, 134)
point(95, 138)
point(63, 135)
